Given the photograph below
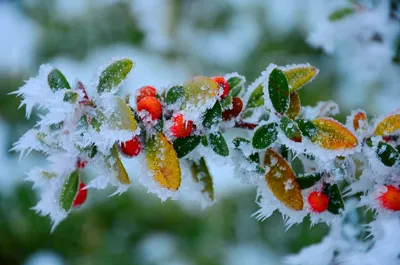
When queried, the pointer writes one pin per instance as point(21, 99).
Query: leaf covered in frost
point(308, 181)
point(387, 154)
point(290, 129)
point(201, 173)
point(122, 117)
point(278, 178)
point(113, 75)
point(114, 162)
point(184, 146)
point(69, 190)
point(265, 135)
point(213, 115)
point(163, 161)
point(218, 143)
point(57, 80)
point(256, 98)
point(299, 76)
point(333, 135)
point(336, 203)
point(278, 89)
point(174, 94)
point(294, 106)
point(199, 89)
point(388, 125)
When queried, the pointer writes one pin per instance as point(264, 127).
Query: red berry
point(146, 91)
point(151, 105)
point(222, 85)
point(181, 127)
point(318, 201)
point(81, 164)
point(390, 200)
point(131, 147)
point(81, 196)
point(237, 106)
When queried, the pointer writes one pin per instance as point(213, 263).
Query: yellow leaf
point(294, 107)
point(282, 181)
point(333, 135)
point(122, 117)
point(299, 76)
point(163, 161)
point(117, 166)
point(199, 89)
point(388, 125)
point(358, 119)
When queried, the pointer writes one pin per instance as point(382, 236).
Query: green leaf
point(278, 89)
point(387, 154)
point(69, 191)
point(184, 146)
point(201, 173)
point(239, 140)
point(308, 181)
point(256, 98)
point(235, 85)
point(71, 97)
point(218, 144)
point(113, 75)
point(226, 102)
point(341, 13)
point(213, 115)
point(204, 140)
point(174, 94)
point(56, 126)
point(57, 80)
point(307, 128)
point(83, 122)
point(336, 203)
point(290, 129)
point(93, 151)
point(265, 135)
point(96, 124)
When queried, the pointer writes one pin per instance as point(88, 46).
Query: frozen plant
point(298, 157)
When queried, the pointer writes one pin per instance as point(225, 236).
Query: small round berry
point(81, 196)
point(222, 85)
point(181, 127)
point(390, 200)
point(237, 106)
point(318, 201)
point(81, 164)
point(152, 105)
point(146, 91)
point(131, 147)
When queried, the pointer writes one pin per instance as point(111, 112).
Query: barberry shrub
point(299, 158)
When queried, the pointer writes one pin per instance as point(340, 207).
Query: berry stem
point(245, 125)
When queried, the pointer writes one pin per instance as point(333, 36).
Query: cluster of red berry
point(148, 101)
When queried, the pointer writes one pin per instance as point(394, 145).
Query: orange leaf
point(357, 118)
point(388, 125)
point(282, 181)
point(294, 107)
point(332, 135)
point(163, 161)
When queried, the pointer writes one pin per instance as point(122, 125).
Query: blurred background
point(171, 40)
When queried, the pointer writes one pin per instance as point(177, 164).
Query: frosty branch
point(298, 157)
